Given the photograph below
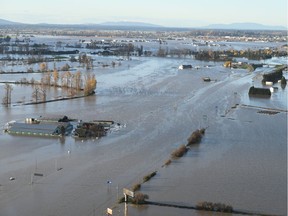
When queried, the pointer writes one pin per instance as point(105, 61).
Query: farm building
point(40, 128)
point(56, 126)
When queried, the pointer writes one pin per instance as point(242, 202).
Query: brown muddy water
point(241, 161)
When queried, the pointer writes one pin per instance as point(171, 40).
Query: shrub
point(210, 206)
point(65, 67)
point(283, 81)
point(149, 176)
point(139, 198)
point(167, 162)
point(136, 187)
point(73, 59)
point(196, 136)
point(43, 67)
point(202, 131)
point(30, 70)
point(179, 152)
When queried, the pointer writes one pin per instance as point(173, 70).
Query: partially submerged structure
point(206, 79)
point(182, 67)
point(34, 127)
point(59, 126)
point(273, 77)
point(92, 129)
point(259, 92)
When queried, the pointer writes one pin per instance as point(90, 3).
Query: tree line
point(221, 55)
point(73, 82)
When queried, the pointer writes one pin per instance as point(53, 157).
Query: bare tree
point(130, 48)
point(161, 52)
point(66, 79)
point(55, 77)
point(78, 80)
point(7, 98)
point(39, 93)
point(36, 94)
point(43, 94)
point(89, 63)
point(46, 80)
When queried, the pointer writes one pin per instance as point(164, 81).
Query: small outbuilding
point(259, 92)
point(182, 67)
point(206, 79)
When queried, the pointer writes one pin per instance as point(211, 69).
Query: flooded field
point(241, 161)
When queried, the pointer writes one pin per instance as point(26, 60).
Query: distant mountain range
point(7, 22)
point(127, 25)
point(245, 26)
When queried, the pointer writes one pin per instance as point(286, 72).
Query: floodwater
point(241, 161)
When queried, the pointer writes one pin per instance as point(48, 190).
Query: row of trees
point(74, 82)
point(66, 79)
point(85, 60)
point(221, 55)
point(70, 80)
point(43, 67)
